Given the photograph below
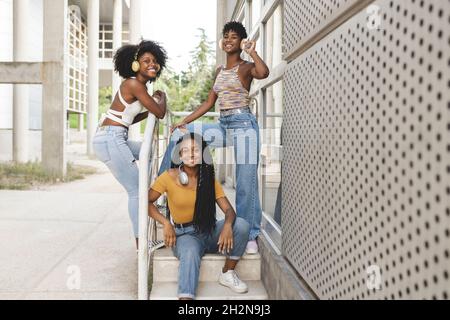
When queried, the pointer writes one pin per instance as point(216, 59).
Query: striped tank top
point(229, 89)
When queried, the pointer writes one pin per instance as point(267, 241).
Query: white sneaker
point(231, 280)
point(252, 247)
point(155, 245)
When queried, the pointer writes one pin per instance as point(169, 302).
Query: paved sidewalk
point(50, 236)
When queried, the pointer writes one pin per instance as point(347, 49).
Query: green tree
point(104, 99)
point(188, 89)
point(201, 71)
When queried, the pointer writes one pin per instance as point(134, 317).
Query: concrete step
point(165, 267)
point(209, 290)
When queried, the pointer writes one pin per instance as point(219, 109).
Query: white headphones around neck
point(182, 176)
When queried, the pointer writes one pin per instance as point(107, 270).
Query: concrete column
point(135, 23)
point(220, 59)
point(55, 93)
point(248, 15)
point(81, 122)
point(221, 20)
point(21, 95)
point(93, 74)
point(117, 41)
point(277, 36)
point(267, 39)
point(277, 59)
point(263, 102)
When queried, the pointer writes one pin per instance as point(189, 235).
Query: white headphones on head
point(182, 176)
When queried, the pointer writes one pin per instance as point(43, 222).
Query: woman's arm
point(140, 92)
point(226, 207)
point(260, 69)
point(140, 117)
point(157, 96)
point(202, 109)
point(170, 237)
point(226, 236)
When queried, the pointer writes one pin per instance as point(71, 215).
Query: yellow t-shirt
point(181, 198)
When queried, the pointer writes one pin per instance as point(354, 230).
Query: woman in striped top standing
point(237, 126)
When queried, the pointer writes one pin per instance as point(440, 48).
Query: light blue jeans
point(191, 246)
point(111, 146)
point(242, 132)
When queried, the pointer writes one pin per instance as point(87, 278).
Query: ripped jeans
point(111, 146)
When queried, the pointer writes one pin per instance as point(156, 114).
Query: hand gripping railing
point(148, 169)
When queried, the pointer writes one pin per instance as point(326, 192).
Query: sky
point(174, 24)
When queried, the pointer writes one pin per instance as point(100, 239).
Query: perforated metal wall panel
point(304, 17)
point(366, 176)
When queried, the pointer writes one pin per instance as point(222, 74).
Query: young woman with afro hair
point(137, 65)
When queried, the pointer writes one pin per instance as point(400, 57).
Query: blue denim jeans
point(111, 146)
point(191, 246)
point(242, 132)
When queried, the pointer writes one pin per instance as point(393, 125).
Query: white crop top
point(128, 115)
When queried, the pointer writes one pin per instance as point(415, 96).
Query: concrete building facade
point(31, 51)
point(91, 31)
point(362, 88)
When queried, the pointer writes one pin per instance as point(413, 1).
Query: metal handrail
point(149, 151)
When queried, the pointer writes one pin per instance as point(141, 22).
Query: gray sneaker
point(155, 245)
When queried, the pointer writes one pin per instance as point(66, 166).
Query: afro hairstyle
point(236, 27)
point(124, 57)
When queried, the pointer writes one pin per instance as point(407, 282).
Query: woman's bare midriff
point(116, 106)
point(109, 122)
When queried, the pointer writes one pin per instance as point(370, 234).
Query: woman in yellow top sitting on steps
point(192, 194)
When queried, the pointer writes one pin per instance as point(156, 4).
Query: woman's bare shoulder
point(132, 83)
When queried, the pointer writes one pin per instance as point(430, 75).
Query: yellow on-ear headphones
point(135, 66)
point(243, 44)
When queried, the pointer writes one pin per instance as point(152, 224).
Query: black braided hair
point(205, 202)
